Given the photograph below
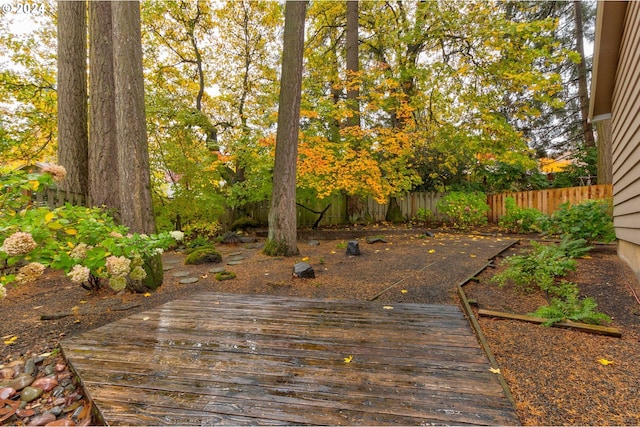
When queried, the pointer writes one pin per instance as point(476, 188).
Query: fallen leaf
point(305, 258)
point(605, 362)
point(147, 294)
point(404, 291)
point(386, 249)
point(332, 252)
point(348, 359)
point(204, 276)
point(495, 370)
point(83, 302)
point(145, 318)
point(387, 307)
point(432, 251)
point(11, 339)
point(472, 255)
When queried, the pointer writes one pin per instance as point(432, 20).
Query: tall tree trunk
point(72, 95)
point(282, 215)
point(589, 140)
point(605, 156)
point(103, 148)
point(133, 156)
point(353, 91)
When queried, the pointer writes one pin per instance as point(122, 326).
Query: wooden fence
point(54, 198)
point(547, 201)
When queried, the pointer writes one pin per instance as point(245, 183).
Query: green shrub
point(423, 216)
point(572, 308)
point(203, 256)
point(522, 220)
point(590, 220)
point(539, 267)
point(85, 243)
point(464, 210)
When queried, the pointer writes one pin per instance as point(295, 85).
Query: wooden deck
point(237, 359)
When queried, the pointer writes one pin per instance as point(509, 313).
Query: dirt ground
point(554, 374)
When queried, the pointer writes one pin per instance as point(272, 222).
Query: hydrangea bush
point(85, 243)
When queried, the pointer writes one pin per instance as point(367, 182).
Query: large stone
point(353, 248)
point(45, 383)
point(21, 381)
point(303, 270)
point(30, 394)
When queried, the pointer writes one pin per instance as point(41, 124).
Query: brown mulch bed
point(554, 374)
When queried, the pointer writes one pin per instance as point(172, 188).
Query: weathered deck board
point(238, 359)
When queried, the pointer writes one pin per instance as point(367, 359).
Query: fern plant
point(571, 307)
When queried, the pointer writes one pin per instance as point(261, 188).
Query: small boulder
point(353, 248)
point(303, 270)
point(203, 256)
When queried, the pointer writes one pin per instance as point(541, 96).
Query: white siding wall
point(626, 132)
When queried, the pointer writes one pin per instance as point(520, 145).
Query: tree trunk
point(583, 94)
point(133, 156)
point(72, 95)
point(353, 91)
point(282, 215)
point(103, 149)
point(605, 161)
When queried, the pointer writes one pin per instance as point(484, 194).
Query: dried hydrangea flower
point(19, 243)
point(30, 272)
point(79, 274)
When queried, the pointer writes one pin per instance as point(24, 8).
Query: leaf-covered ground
point(554, 374)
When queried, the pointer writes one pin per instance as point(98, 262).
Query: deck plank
point(259, 360)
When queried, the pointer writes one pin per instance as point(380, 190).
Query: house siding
point(626, 141)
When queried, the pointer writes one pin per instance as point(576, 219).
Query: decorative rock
point(6, 373)
point(188, 280)
point(353, 248)
point(61, 422)
point(56, 410)
point(7, 392)
point(303, 270)
point(57, 392)
point(314, 243)
point(45, 383)
point(49, 370)
point(217, 270)
point(21, 381)
point(181, 273)
point(230, 237)
point(30, 366)
point(372, 240)
point(30, 394)
point(42, 419)
point(61, 367)
point(247, 239)
point(22, 413)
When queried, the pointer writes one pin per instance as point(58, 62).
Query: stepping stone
point(236, 253)
point(189, 280)
point(236, 258)
point(181, 273)
point(217, 270)
point(314, 243)
point(167, 267)
point(234, 263)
